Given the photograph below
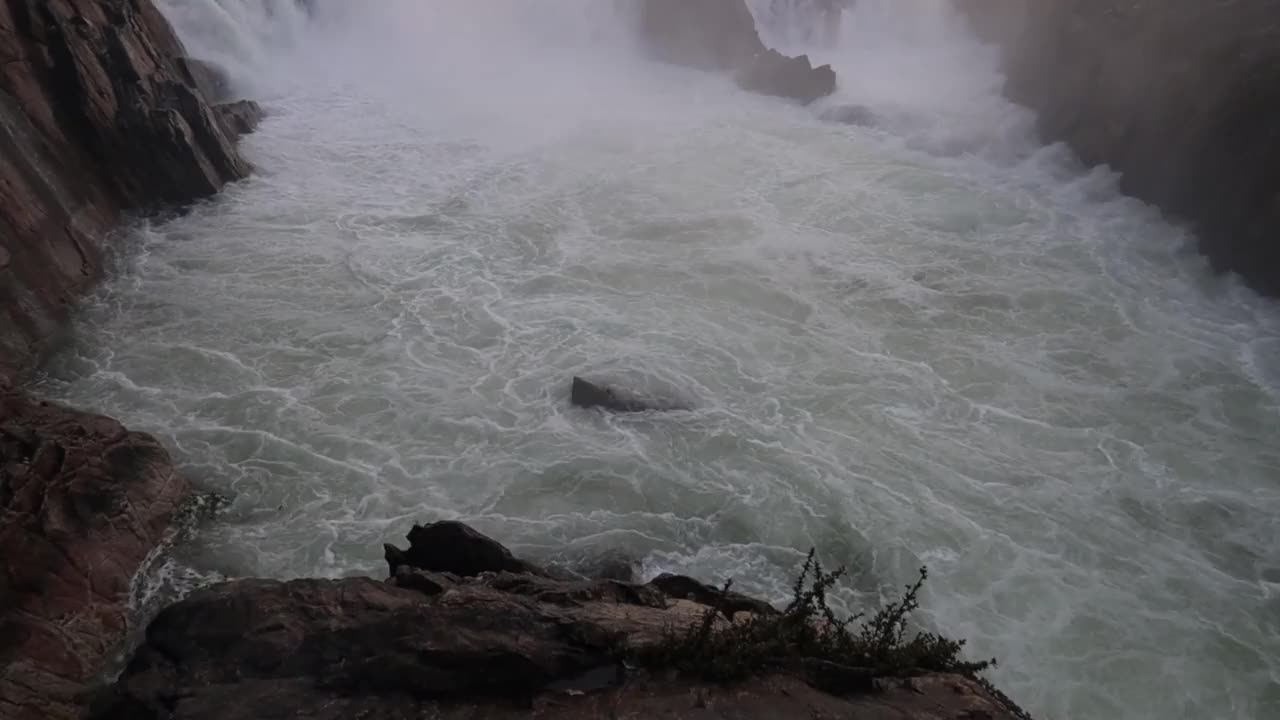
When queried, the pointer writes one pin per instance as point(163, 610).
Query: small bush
point(807, 637)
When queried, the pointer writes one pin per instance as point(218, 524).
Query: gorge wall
point(1179, 96)
point(100, 114)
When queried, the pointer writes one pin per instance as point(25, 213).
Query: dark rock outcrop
point(453, 547)
point(499, 645)
point(711, 34)
point(773, 73)
point(721, 35)
point(1181, 97)
point(728, 603)
point(82, 504)
point(99, 114)
point(586, 394)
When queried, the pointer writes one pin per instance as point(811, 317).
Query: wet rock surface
point(504, 644)
point(721, 35)
point(83, 502)
point(1179, 96)
point(99, 114)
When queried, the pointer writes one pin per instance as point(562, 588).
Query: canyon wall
point(1180, 96)
point(100, 114)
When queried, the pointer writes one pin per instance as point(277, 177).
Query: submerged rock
point(500, 645)
point(851, 115)
point(586, 394)
point(83, 502)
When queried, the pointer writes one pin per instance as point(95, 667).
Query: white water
point(928, 342)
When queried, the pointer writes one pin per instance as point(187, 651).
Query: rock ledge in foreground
point(83, 502)
point(496, 644)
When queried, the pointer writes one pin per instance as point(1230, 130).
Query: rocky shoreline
point(101, 116)
point(464, 629)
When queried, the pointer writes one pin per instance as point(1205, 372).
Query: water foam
point(927, 341)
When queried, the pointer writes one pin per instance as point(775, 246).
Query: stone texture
point(497, 645)
point(99, 115)
point(721, 35)
point(454, 547)
point(1179, 96)
point(82, 504)
point(772, 73)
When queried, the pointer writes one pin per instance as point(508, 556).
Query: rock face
point(498, 645)
point(82, 504)
point(721, 35)
point(1180, 96)
point(99, 114)
point(773, 73)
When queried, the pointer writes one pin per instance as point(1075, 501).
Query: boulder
point(83, 502)
point(721, 35)
point(239, 118)
point(453, 547)
point(501, 645)
point(682, 587)
point(772, 73)
point(586, 394)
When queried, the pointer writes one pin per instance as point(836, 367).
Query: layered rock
point(82, 504)
point(1179, 96)
point(499, 644)
point(99, 114)
point(721, 35)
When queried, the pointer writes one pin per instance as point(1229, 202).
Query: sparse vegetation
point(839, 655)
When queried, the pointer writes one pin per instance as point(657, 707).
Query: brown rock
point(82, 503)
point(99, 114)
point(503, 646)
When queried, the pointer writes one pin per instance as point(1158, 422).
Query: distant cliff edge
point(1181, 96)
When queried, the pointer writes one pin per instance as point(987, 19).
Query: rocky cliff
point(1181, 96)
point(100, 114)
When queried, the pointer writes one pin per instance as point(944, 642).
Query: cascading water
point(926, 340)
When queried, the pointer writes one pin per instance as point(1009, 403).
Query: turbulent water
point(921, 341)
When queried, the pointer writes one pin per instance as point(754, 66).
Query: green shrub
point(838, 655)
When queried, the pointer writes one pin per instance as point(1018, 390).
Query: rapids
point(930, 341)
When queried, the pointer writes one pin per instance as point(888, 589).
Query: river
point(922, 340)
